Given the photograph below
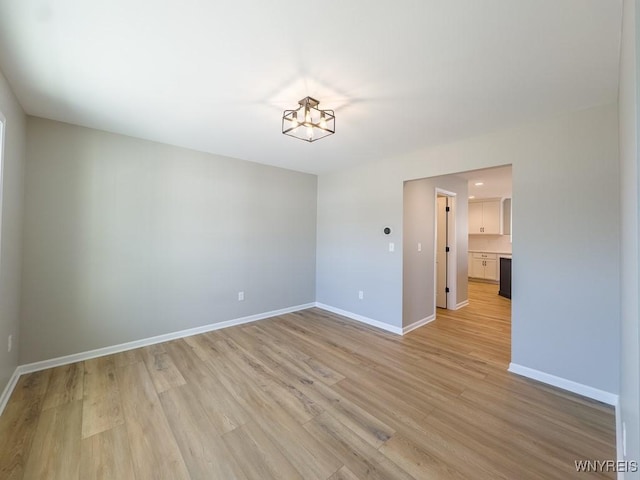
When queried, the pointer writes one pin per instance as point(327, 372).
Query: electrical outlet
point(9, 343)
point(240, 296)
point(360, 294)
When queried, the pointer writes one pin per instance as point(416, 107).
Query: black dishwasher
point(505, 277)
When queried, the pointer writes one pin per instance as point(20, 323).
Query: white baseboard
point(8, 390)
point(460, 305)
point(362, 319)
point(575, 387)
point(99, 352)
point(418, 324)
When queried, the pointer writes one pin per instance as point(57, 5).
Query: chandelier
point(308, 122)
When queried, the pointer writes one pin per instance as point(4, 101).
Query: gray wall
point(12, 206)
point(418, 226)
point(127, 239)
point(353, 254)
point(629, 179)
point(566, 312)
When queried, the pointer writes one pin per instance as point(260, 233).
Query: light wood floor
point(308, 395)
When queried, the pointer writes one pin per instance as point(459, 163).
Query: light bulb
point(294, 120)
point(323, 121)
point(307, 115)
point(310, 132)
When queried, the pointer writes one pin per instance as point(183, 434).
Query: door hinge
point(446, 249)
point(446, 290)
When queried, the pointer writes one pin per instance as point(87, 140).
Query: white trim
point(452, 260)
point(6, 393)
point(418, 324)
point(8, 390)
point(360, 318)
point(619, 449)
point(563, 383)
point(99, 352)
point(460, 305)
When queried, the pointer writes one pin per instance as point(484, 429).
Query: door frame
point(3, 149)
point(452, 263)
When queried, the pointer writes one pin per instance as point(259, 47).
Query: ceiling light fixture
point(308, 122)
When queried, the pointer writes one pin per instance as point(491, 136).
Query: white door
point(441, 253)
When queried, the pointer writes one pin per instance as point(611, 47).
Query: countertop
point(489, 251)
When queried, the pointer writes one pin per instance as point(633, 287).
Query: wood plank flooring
point(308, 395)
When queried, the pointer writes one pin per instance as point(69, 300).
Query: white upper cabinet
point(485, 217)
point(475, 217)
point(506, 216)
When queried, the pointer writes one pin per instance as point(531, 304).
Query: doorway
point(429, 229)
point(445, 279)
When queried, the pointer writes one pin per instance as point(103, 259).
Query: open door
point(442, 228)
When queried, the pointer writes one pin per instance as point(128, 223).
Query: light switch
point(419, 246)
point(392, 247)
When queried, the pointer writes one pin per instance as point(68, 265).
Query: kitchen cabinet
point(506, 216)
point(483, 265)
point(485, 217)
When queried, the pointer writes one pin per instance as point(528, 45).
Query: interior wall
point(353, 254)
point(418, 227)
point(127, 239)
point(11, 236)
point(629, 180)
point(566, 277)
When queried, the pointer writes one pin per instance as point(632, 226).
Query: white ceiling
point(496, 182)
point(216, 75)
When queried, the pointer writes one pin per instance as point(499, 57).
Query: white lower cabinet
point(483, 265)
